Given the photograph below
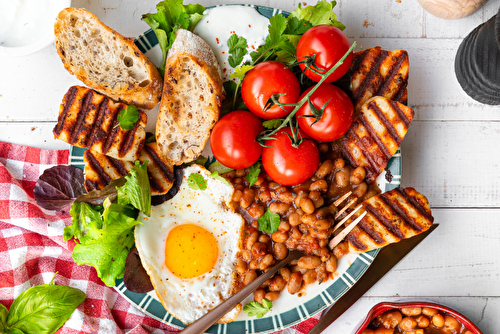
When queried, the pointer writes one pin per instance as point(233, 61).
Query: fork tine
point(339, 237)
point(351, 202)
point(343, 198)
point(347, 217)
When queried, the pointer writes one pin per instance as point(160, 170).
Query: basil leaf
point(197, 182)
point(58, 187)
point(269, 222)
point(43, 308)
point(256, 309)
point(3, 317)
point(128, 117)
point(253, 173)
point(136, 190)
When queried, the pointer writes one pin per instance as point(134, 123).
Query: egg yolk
point(190, 251)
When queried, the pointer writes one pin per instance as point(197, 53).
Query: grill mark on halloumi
point(89, 120)
point(377, 72)
point(372, 74)
point(384, 220)
point(395, 215)
point(376, 134)
point(68, 100)
point(101, 169)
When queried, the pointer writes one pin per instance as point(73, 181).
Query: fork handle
point(202, 324)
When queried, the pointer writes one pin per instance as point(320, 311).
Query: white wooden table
point(450, 154)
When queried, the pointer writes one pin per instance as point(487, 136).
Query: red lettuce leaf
point(58, 187)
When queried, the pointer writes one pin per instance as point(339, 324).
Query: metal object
point(386, 259)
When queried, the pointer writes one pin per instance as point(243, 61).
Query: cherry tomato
point(233, 139)
point(329, 44)
point(286, 164)
point(263, 81)
point(337, 115)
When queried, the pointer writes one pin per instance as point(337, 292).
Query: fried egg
point(189, 245)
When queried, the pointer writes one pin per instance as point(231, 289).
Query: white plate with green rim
point(288, 310)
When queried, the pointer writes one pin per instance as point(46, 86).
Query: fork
point(202, 324)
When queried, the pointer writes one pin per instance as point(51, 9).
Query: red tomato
point(337, 116)
point(263, 81)
point(233, 139)
point(286, 164)
point(329, 44)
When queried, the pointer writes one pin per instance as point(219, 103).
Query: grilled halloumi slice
point(90, 120)
point(376, 134)
point(101, 169)
point(392, 216)
point(377, 72)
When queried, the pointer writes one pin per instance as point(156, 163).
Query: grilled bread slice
point(101, 169)
point(191, 100)
point(89, 120)
point(376, 72)
point(105, 60)
point(376, 134)
point(392, 216)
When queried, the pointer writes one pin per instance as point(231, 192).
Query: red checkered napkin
point(32, 250)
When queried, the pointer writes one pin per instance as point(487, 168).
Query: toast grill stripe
point(97, 168)
point(371, 232)
point(69, 98)
point(396, 207)
point(383, 220)
point(128, 140)
point(373, 169)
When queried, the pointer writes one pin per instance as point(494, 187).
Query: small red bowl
point(386, 306)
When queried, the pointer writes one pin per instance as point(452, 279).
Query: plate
point(288, 310)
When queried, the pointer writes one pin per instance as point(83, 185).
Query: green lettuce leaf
point(82, 214)
point(321, 13)
point(107, 248)
point(170, 16)
point(136, 190)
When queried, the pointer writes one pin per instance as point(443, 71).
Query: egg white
point(189, 299)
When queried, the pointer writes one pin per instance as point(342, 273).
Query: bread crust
point(105, 60)
point(191, 99)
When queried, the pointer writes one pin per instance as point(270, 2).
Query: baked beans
point(306, 223)
point(416, 320)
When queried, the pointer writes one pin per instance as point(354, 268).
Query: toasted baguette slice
point(191, 100)
point(376, 72)
point(89, 120)
point(101, 170)
point(105, 60)
point(376, 134)
point(392, 216)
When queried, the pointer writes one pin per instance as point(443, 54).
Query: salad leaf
point(97, 197)
point(321, 13)
point(256, 309)
point(42, 309)
point(82, 215)
point(217, 166)
point(253, 173)
point(197, 182)
point(107, 248)
point(170, 16)
point(215, 175)
point(128, 117)
point(58, 187)
point(269, 222)
point(136, 190)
